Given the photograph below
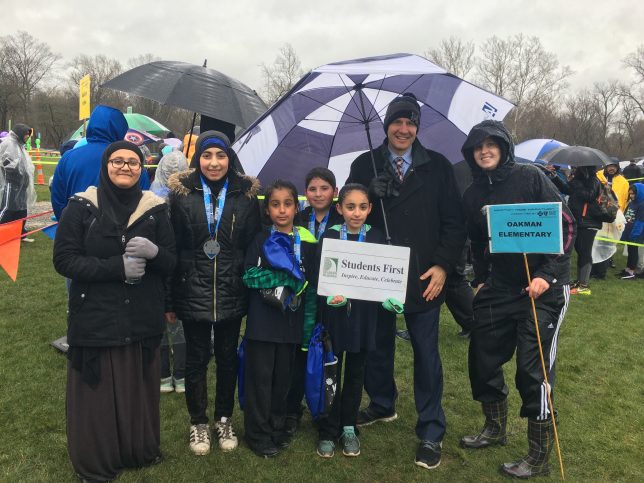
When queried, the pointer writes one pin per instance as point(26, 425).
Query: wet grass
point(600, 389)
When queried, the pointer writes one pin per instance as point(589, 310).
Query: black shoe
point(403, 334)
point(366, 417)
point(282, 440)
point(292, 424)
point(428, 454)
point(265, 451)
point(465, 334)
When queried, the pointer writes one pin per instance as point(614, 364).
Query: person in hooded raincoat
point(16, 176)
point(503, 319)
point(79, 168)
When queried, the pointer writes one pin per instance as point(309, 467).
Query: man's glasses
point(133, 163)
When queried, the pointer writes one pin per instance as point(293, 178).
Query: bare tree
point(100, 69)
point(8, 91)
point(454, 56)
point(581, 124)
point(635, 92)
point(520, 69)
point(279, 77)
point(27, 61)
point(606, 98)
point(635, 60)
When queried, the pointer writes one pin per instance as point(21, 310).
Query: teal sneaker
point(326, 448)
point(180, 386)
point(350, 442)
point(166, 384)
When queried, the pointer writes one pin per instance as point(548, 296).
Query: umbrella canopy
point(577, 156)
point(323, 120)
point(194, 88)
point(534, 149)
point(137, 123)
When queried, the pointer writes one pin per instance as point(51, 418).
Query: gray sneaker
point(350, 442)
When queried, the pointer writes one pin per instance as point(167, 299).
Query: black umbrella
point(576, 156)
point(194, 88)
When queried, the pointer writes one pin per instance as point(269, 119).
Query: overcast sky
point(237, 36)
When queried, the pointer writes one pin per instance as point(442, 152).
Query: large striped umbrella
point(534, 149)
point(332, 114)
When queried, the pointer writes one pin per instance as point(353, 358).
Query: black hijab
point(115, 205)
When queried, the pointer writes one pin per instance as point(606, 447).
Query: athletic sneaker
point(581, 290)
point(628, 275)
point(350, 442)
point(326, 448)
point(428, 454)
point(225, 434)
point(366, 417)
point(180, 385)
point(200, 439)
point(166, 384)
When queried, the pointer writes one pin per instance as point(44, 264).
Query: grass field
point(599, 393)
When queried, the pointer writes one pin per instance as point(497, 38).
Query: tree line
point(39, 87)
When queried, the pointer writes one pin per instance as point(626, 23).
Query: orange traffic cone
point(41, 176)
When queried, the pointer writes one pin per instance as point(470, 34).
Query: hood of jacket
point(106, 125)
point(184, 182)
point(148, 201)
point(639, 192)
point(497, 131)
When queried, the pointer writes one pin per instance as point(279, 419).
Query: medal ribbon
point(361, 236)
point(221, 202)
point(322, 226)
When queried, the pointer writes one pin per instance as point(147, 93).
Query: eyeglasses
point(133, 163)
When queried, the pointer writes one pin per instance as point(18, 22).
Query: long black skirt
point(114, 425)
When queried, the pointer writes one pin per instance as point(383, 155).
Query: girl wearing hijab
point(215, 216)
point(115, 243)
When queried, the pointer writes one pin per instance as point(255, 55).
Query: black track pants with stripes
point(503, 322)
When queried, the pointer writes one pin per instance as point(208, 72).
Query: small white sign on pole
point(363, 271)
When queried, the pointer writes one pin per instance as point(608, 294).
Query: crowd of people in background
point(161, 275)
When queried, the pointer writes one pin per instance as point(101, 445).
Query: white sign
point(363, 271)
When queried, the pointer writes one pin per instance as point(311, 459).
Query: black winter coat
point(426, 216)
point(104, 311)
point(510, 183)
point(580, 193)
point(203, 289)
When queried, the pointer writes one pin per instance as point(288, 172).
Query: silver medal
point(211, 248)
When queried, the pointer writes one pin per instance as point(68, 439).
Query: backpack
point(605, 206)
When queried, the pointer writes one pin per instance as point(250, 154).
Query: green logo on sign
point(330, 267)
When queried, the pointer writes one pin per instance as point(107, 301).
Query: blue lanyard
point(322, 226)
point(297, 243)
point(361, 236)
point(221, 202)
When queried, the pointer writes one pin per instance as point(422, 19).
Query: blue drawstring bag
point(278, 253)
point(241, 371)
point(320, 381)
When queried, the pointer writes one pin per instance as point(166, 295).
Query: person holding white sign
point(503, 320)
point(423, 211)
point(352, 327)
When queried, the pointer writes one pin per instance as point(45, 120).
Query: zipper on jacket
point(232, 228)
point(214, 290)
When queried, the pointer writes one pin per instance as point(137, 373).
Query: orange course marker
point(10, 247)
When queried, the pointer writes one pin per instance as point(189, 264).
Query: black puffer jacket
point(510, 183)
point(104, 311)
point(195, 295)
